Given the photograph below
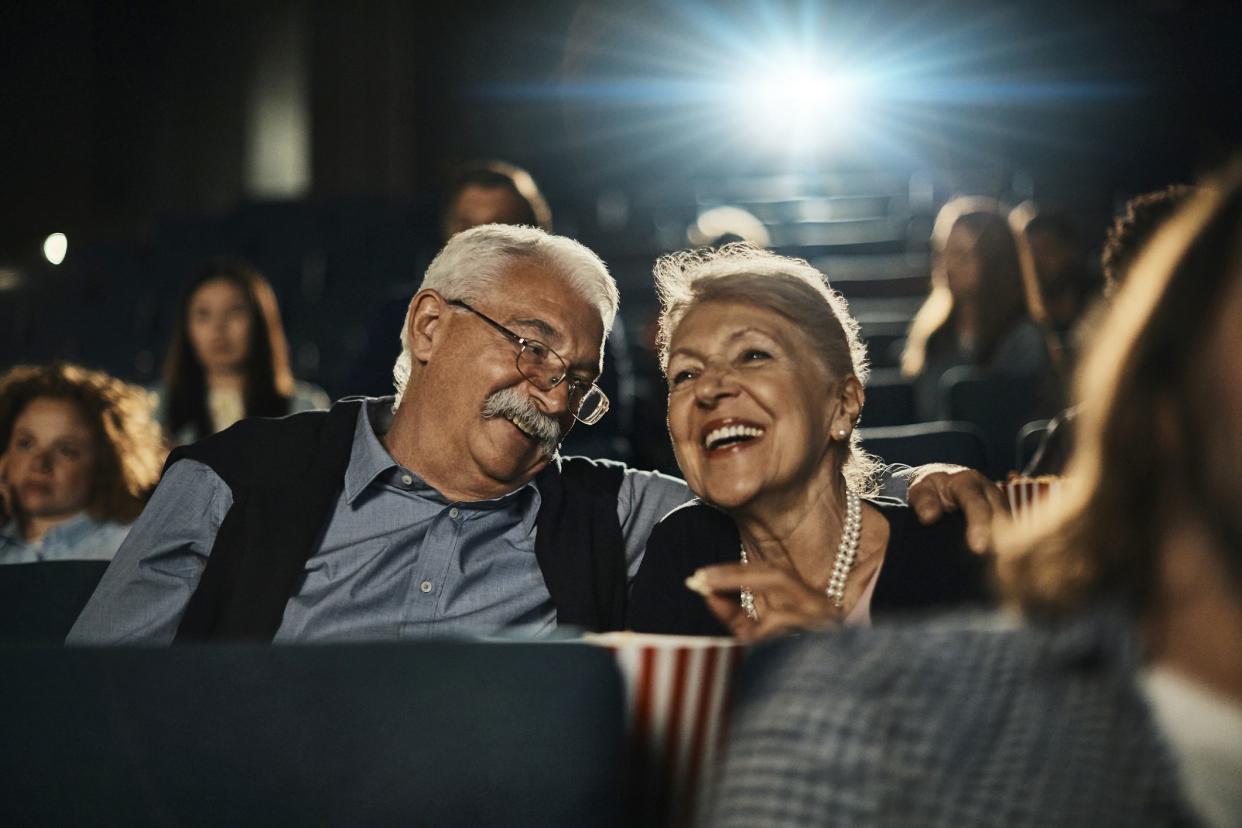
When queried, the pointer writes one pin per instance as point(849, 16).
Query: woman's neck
point(34, 527)
point(1198, 622)
point(225, 380)
point(794, 531)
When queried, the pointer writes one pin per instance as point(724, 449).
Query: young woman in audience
point(982, 309)
point(228, 358)
point(765, 374)
point(79, 453)
point(1119, 701)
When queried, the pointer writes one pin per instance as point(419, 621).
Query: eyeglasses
point(547, 369)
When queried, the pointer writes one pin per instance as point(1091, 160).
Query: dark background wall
point(131, 128)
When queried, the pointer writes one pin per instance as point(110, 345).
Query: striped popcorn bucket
point(1031, 499)
point(677, 691)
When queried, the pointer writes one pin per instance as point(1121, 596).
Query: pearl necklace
point(847, 552)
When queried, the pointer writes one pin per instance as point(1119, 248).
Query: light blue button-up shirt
point(396, 560)
point(81, 538)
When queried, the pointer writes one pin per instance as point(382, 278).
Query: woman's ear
point(424, 322)
point(849, 403)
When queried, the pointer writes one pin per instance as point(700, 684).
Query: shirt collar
point(369, 460)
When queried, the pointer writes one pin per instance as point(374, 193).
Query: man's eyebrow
point(551, 336)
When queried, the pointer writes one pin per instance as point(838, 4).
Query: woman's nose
point(43, 461)
point(716, 381)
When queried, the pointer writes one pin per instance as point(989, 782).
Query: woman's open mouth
point(718, 436)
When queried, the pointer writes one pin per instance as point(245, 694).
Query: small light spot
point(55, 247)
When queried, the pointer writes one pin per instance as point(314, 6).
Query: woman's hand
point(782, 600)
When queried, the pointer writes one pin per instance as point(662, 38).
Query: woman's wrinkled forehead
point(718, 324)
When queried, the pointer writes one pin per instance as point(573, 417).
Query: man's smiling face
point(475, 361)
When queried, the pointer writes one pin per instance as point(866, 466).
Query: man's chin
point(517, 456)
point(526, 441)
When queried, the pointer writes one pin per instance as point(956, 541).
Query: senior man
point(444, 512)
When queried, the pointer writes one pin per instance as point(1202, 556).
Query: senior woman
point(765, 372)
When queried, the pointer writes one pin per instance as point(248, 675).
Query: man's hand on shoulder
point(940, 488)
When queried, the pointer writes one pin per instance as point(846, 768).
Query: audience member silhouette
point(79, 454)
point(1052, 248)
point(981, 311)
point(1139, 220)
point(228, 357)
point(494, 192)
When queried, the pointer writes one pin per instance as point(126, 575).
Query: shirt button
point(454, 512)
point(407, 479)
point(425, 586)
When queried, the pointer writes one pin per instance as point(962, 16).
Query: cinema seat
point(40, 601)
point(436, 733)
point(922, 443)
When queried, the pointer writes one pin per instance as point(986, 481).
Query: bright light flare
point(55, 247)
point(801, 105)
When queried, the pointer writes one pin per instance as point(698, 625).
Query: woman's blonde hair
point(1139, 434)
point(130, 446)
point(790, 287)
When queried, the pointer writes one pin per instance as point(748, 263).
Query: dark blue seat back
point(1030, 437)
point(997, 406)
point(890, 401)
point(444, 734)
point(40, 601)
point(922, 443)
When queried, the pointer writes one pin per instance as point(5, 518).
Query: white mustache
point(518, 408)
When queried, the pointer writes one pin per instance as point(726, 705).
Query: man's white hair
point(473, 261)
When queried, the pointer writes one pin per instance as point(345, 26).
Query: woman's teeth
point(718, 437)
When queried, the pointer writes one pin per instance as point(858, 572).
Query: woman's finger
point(735, 577)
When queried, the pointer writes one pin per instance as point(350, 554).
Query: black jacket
point(924, 567)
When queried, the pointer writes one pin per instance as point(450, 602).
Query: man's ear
point(425, 322)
